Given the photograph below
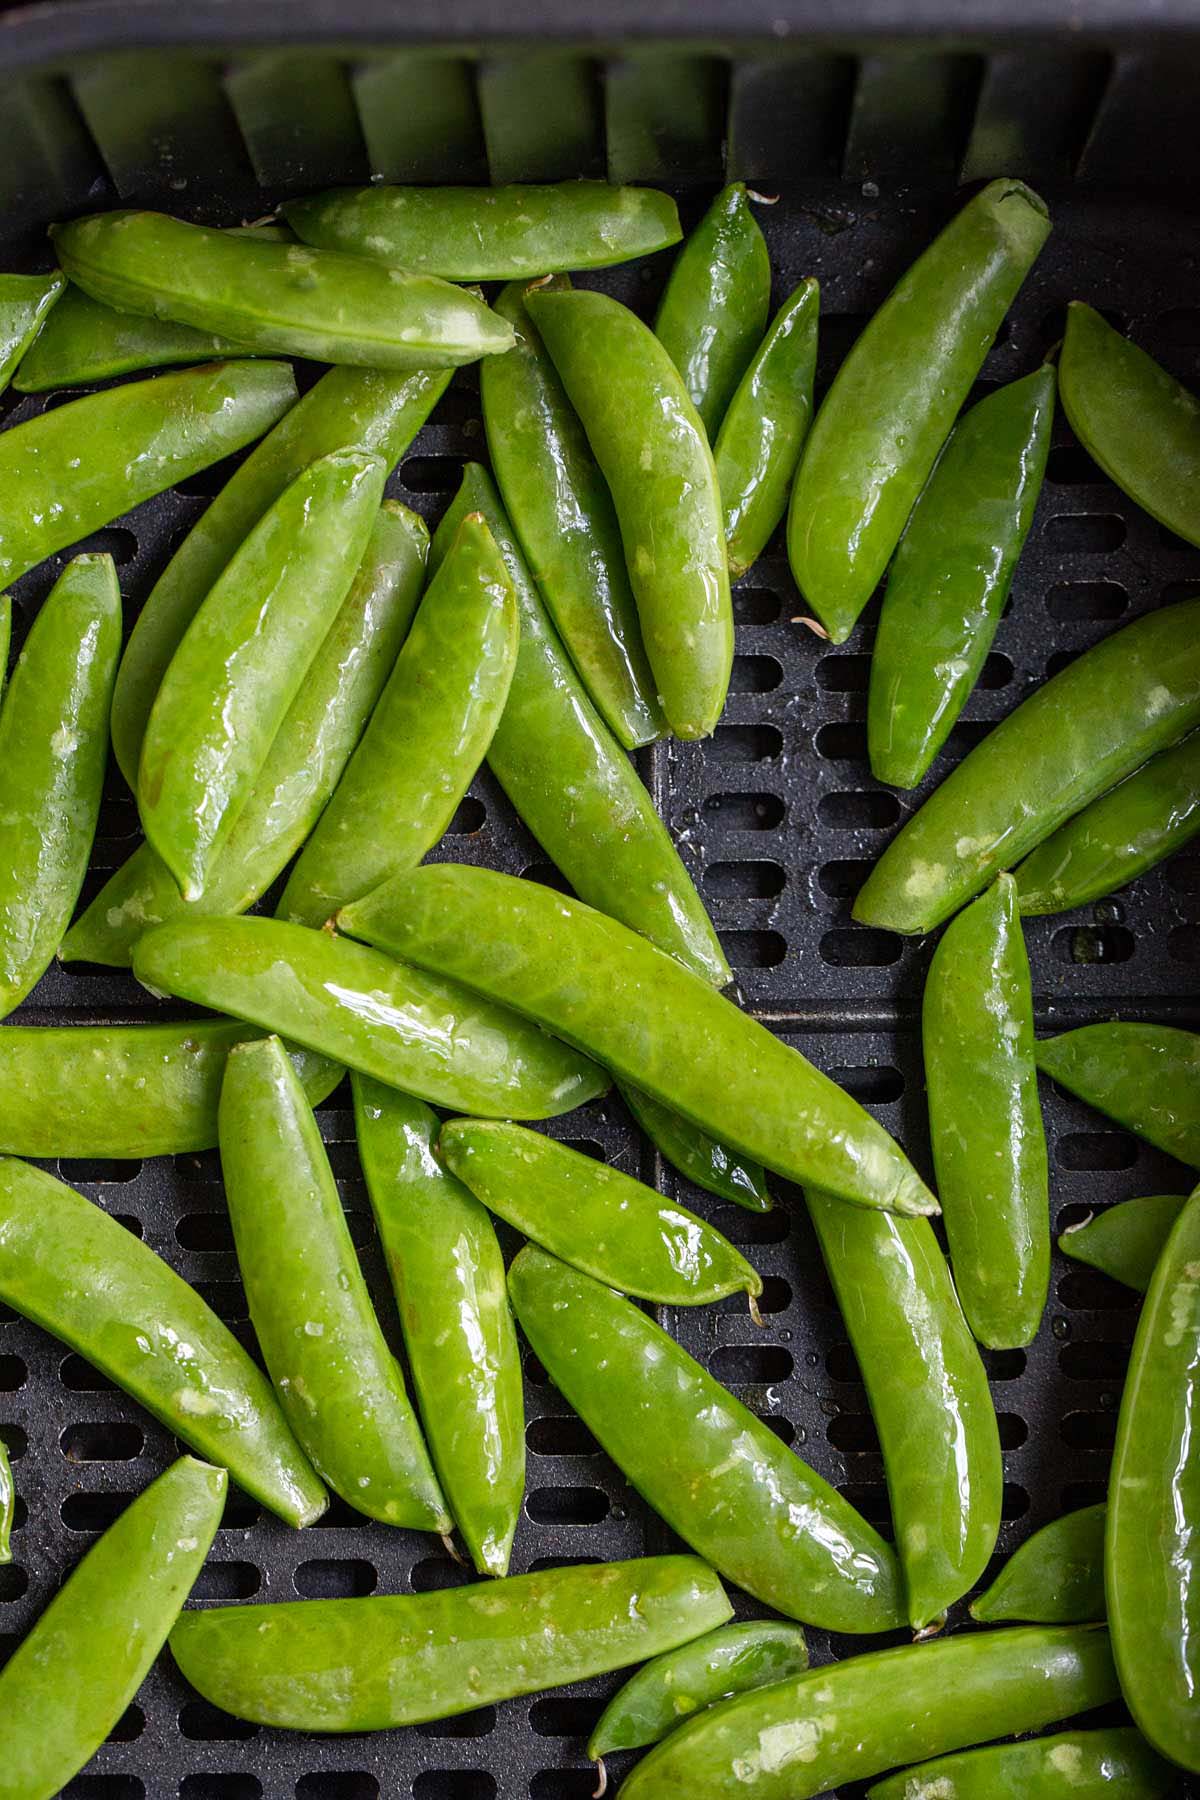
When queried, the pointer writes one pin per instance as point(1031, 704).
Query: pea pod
point(703, 1159)
point(853, 1719)
point(1078, 1765)
point(952, 573)
point(592, 982)
point(80, 1275)
point(1125, 1241)
point(1146, 1077)
point(66, 1686)
point(651, 447)
point(1055, 1578)
point(448, 1275)
point(426, 738)
point(764, 428)
point(89, 341)
point(8, 1504)
point(1097, 720)
point(894, 399)
point(563, 513)
point(243, 660)
point(593, 1216)
point(26, 302)
point(432, 1038)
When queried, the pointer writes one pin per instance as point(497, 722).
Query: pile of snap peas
point(300, 707)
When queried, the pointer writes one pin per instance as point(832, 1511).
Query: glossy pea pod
point(878, 432)
point(1146, 1077)
point(8, 1504)
point(952, 573)
point(1076, 1765)
point(447, 1273)
point(1055, 1578)
point(1134, 693)
point(703, 1159)
point(1125, 1241)
point(67, 1684)
point(26, 302)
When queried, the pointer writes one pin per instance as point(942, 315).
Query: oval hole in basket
point(92, 1512)
point(1088, 1151)
point(454, 1784)
point(226, 1581)
point(738, 1365)
point(1087, 1290)
point(842, 880)
point(853, 1432)
point(745, 743)
point(745, 812)
point(1084, 534)
point(567, 1505)
point(104, 1787)
point(753, 949)
point(756, 605)
point(220, 1787)
point(1184, 944)
point(845, 741)
point(475, 1724)
point(1069, 465)
point(13, 1374)
point(102, 1440)
point(844, 674)
point(1084, 944)
point(335, 1578)
point(563, 1784)
point(570, 1715)
point(207, 1724)
point(207, 1233)
point(758, 880)
point(348, 1785)
point(1074, 601)
point(1095, 1360)
point(859, 809)
point(560, 1435)
point(1088, 1431)
point(861, 947)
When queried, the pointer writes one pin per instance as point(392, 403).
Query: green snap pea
point(26, 302)
point(1097, 720)
point(952, 573)
point(8, 1504)
point(490, 233)
point(283, 298)
point(763, 431)
point(243, 659)
point(448, 1275)
point(432, 1038)
point(1055, 1578)
point(70, 471)
point(68, 1683)
point(593, 982)
point(651, 447)
point(719, 1477)
point(81, 1276)
point(1125, 1241)
point(53, 751)
point(989, 1143)
point(1078, 1765)
point(703, 1159)
point(853, 1719)
point(426, 738)
point(1146, 1077)
point(593, 1216)
point(88, 341)
point(5, 639)
point(714, 307)
point(398, 1659)
point(563, 513)
point(366, 409)
point(338, 1383)
point(1151, 1579)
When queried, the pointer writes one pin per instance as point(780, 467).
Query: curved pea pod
point(853, 1719)
point(563, 513)
point(67, 1684)
point(89, 341)
point(703, 1159)
point(894, 399)
point(426, 738)
point(80, 1275)
point(1097, 720)
point(1125, 1241)
point(448, 1276)
point(26, 302)
point(53, 750)
point(652, 450)
point(365, 409)
point(593, 1216)
point(432, 1038)
point(1055, 1578)
point(243, 659)
point(719, 1477)
point(1078, 1765)
point(1146, 1077)
point(764, 428)
point(609, 840)
point(8, 1504)
point(303, 766)
point(490, 233)
point(952, 573)
point(593, 983)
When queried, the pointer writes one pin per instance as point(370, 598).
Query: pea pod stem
point(1076, 1765)
point(8, 1504)
point(1056, 1577)
point(1146, 1077)
point(1125, 1241)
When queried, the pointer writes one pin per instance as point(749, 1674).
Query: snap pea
point(366, 409)
point(1079, 1765)
point(1150, 1544)
point(563, 513)
point(26, 302)
point(398, 1659)
point(1055, 1578)
point(593, 1216)
point(8, 1504)
point(853, 1719)
point(53, 750)
point(432, 1038)
point(5, 639)
point(763, 431)
point(1125, 1241)
point(305, 761)
point(590, 981)
point(89, 341)
point(1098, 719)
point(490, 233)
point(448, 1275)
point(714, 307)
point(283, 298)
point(70, 471)
point(1146, 1077)
point(719, 1477)
point(426, 738)
point(893, 401)
point(67, 1684)
point(1148, 816)
point(243, 659)
point(651, 447)
point(952, 573)
point(989, 1143)
point(703, 1159)
point(81, 1276)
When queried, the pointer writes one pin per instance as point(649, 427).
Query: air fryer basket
point(216, 112)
